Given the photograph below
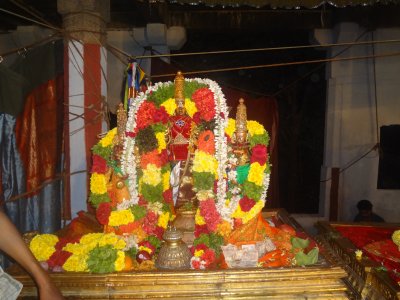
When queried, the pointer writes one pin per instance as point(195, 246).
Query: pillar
point(84, 24)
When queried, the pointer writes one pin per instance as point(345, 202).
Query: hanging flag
point(134, 77)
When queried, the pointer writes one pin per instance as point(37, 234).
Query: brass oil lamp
point(174, 253)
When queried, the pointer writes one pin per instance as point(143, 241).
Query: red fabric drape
point(38, 133)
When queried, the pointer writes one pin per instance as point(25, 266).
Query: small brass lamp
point(174, 253)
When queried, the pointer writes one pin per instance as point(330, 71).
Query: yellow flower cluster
point(144, 248)
point(204, 162)
point(190, 107)
point(108, 139)
point(256, 173)
point(80, 252)
point(163, 220)
point(121, 217)
point(230, 128)
point(152, 175)
point(255, 128)
point(199, 253)
point(247, 216)
point(160, 136)
point(120, 261)
point(76, 263)
point(98, 183)
point(170, 106)
point(224, 229)
point(165, 179)
point(199, 220)
point(43, 246)
point(396, 238)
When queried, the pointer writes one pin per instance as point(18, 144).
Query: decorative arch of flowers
point(133, 199)
point(229, 196)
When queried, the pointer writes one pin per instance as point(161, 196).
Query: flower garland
point(134, 204)
point(229, 195)
point(93, 252)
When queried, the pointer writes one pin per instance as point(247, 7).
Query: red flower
point(164, 157)
point(196, 264)
point(158, 232)
point(259, 154)
point(200, 247)
point(200, 229)
point(204, 100)
point(222, 115)
point(142, 201)
point(148, 227)
point(145, 114)
point(167, 196)
point(206, 142)
point(147, 244)
point(58, 258)
point(246, 203)
point(62, 241)
point(196, 117)
point(151, 217)
point(99, 164)
point(208, 256)
point(161, 115)
point(130, 134)
point(103, 212)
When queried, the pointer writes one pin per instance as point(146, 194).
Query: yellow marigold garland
point(121, 217)
point(108, 139)
point(256, 173)
point(170, 106)
point(98, 184)
point(43, 246)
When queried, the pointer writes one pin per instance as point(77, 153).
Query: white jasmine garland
point(225, 208)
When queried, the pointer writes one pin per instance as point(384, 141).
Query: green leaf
point(138, 211)
point(203, 180)
point(310, 258)
point(300, 243)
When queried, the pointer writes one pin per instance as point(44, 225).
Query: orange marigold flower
point(206, 142)
point(152, 157)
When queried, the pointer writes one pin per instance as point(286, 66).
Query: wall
point(351, 123)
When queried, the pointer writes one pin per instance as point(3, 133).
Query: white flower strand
point(128, 163)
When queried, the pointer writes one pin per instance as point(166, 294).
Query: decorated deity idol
point(181, 144)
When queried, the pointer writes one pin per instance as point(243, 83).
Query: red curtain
point(39, 133)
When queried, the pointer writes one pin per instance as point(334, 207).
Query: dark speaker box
point(389, 157)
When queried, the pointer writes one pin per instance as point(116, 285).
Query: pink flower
point(210, 214)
